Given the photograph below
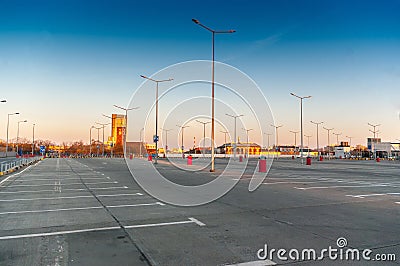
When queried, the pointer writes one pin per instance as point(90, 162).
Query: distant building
point(241, 148)
point(118, 127)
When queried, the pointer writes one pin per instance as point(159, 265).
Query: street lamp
point(225, 132)
point(337, 137)
point(98, 139)
point(317, 123)
point(103, 125)
point(126, 123)
point(141, 142)
point(375, 132)
point(156, 137)
point(8, 124)
point(166, 139)
point(268, 135)
point(295, 138)
point(301, 120)
point(204, 135)
point(33, 138)
point(22, 121)
point(349, 140)
point(212, 84)
point(248, 144)
point(234, 141)
point(90, 141)
point(276, 136)
point(308, 144)
point(182, 127)
point(329, 148)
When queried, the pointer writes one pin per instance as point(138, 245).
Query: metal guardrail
point(12, 165)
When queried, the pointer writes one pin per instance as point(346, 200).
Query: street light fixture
point(156, 136)
point(248, 144)
point(22, 121)
point(8, 124)
point(212, 84)
point(182, 127)
point(295, 138)
point(204, 135)
point(349, 140)
point(103, 125)
point(276, 136)
point(225, 132)
point(308, 144)
point(166, 139)
point(234, 140)
point(329, 148)
point(317, 123)
point(33, 138)
point(301, 120)
point(268, 135)
point(98, 139)
point(90, 141)
point(126, 123)
point(337, 137)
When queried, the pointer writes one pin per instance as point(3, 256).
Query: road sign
point(155, 138)
point(42, 149)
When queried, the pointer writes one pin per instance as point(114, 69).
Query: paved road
point(91, 212)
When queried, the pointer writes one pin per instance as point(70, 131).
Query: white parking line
point(66, 184)
point(67, 189)
point(373, 195)
point(255, 263)
point(52, 179)
point(397, 202)
point(71, 197)
point(94, 230)
point(307, 188)
point(82, 208)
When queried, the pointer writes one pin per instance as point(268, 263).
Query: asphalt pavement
point(92, 212)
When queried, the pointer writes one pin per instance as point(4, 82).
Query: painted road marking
point(255, 263)
point(67, 184)
point(397, 202)
point(52, 179)
point(82, 208)
point(67, 189)
point(373, 195)
point(72, 197)
point(307, 188)
point(191, 220)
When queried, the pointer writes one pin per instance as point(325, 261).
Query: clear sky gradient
point(64, 63)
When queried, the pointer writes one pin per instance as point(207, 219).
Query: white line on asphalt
point(67, 189)
point(66, 184)
point(71, 197)
point(81, 208)
point(5, 179)
point(397, 202)
point(52, 179)
point(92, 230)
point(196, 221)
point(373, 195)
point(255, 263)
point(307, 188)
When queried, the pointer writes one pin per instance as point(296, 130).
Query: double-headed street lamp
point(182, 127)
point(301, 120)
point(329, 148)
point(276, 136)
point(204, 134)
point(225, 132)
point(126, 123)
point(90, 141)
point(337, 137)
point(156, 135)
point(212, 84)
point(8, 124)
point(295, 138)
point(308, 144)
point(349, 137)
point(235, 139)
point(375, 132)
point(103, 125)
point(22, 121)
point(317, 123)
point(33, 138)
point(268, 135)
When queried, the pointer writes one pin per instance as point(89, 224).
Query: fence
point(14, 164)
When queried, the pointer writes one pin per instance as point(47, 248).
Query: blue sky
point(64, 63)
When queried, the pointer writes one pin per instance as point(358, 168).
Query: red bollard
point(378, 159)
point(321, 158)
point(292, 157)
point(149, 158)
point(308, 162)
point(131, 156)
point(240, 158)
point(189, 160)
point(262, 166)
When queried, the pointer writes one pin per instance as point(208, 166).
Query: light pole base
point(212, 170)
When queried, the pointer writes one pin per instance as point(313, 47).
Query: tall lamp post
point(276, 136)
point(166, 139)
point(8, 125)
point(156, 136)
point(268, 135)
point(295, 138)
point(22, 121)
point(103, 125)
point(33, 138)
point(329, 147)
point(204, 135)
point(212, 84)
point(126, 123)
point(337, 137)
point(308, 144)
point(349, 137)
point(375, 132)
point(301, 120)
point(90, 141)
point(182, 127)
point(98, 140)
point(317, 123)
point(235, 139)
point(225, 132)
point(248, 144)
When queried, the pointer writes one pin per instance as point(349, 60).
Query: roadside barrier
point(15, 164)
